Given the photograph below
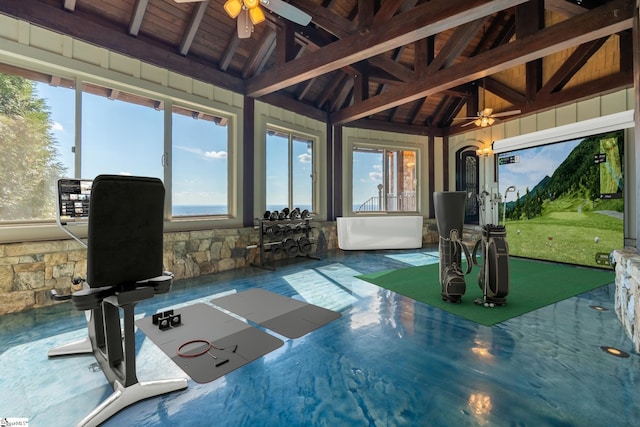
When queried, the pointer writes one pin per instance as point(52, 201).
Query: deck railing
point(403, 202)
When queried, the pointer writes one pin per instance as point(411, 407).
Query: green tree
point(29, 152)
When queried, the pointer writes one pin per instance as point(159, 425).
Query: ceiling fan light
point(490, 121)
point(233, 8)
point(256, 15)
point(478, 122)
point(250, 4)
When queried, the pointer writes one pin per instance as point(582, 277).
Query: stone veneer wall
point(28, 271)
point(628, 292)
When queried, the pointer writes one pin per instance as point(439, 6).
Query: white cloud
point(57, 127)
point(215, 154)
point(304, 158)
point(204, 154)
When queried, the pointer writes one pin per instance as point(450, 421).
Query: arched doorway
point(467, 180)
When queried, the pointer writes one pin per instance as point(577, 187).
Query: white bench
point(379, 232)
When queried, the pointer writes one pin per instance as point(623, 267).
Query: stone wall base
point(30, 270)
point(627, 301)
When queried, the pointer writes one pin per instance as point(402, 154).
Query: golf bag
point(493, 277)
point(449, 208)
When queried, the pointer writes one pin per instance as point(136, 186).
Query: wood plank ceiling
point(413, 66)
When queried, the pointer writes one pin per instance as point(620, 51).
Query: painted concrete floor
point(388, 361)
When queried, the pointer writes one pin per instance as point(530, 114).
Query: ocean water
point(204, 210)
point(198, 210)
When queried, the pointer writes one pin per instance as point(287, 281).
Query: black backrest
point(125, 230)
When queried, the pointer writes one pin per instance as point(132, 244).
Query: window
point(289, 171)
point(122, 133)
point(199, 164)
point(384, 179)
point(37, 134)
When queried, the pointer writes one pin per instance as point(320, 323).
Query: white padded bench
point(379, 232)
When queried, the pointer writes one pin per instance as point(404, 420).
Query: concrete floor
point(388, 361)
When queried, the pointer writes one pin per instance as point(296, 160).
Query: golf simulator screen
point(568, 201)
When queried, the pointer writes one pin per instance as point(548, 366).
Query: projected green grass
point(569, 230)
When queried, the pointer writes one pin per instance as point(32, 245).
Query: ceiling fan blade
point(188, 1)
point(506, 113)
point(486, 112)
point(245, 27)
point(465, 118)
point(468, 123)
point(287, 11)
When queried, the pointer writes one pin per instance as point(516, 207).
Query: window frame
point(353, 143)
point(319, 166)
point(40, 230)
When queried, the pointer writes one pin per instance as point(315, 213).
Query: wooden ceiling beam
point(600, 22)
point(197, 14)
point(529, 20)
point(415, 110)
point(390, 8)
point(456, 44)
point(583, 91)
point(69, 5)
point(503, 91)
point(137, 16)
point(422, 21)
point(397, 127)
point(571, 66)
point(260, 54)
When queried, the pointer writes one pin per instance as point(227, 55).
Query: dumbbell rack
point(282, 236)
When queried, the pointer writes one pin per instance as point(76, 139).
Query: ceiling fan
point(486, 117)
point(249, 13)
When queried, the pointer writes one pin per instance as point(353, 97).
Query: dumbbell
point(278, 231)
point(267, 215)
point(289, 230)
point(274, 216)
point(304, 245)
point(275, 248)
point(290, 247)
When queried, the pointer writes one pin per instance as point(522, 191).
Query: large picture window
point(199, 164)
point(121, 132)
point(289, 170)
point(384, 179)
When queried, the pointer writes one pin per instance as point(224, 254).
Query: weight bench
point(124, 267)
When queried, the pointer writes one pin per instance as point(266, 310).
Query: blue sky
point(535, 163)
point(123, 138)
point(367, 174)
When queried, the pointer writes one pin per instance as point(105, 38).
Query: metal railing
point(403, 202)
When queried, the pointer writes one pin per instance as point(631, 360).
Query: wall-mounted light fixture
point(485, 151)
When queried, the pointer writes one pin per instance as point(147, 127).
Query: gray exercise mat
point(286, 316)
point(228, 343)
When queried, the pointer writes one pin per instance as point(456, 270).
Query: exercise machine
point(450, 207)
point(124, 220)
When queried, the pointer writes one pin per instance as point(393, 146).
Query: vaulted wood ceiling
point(413, 66)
